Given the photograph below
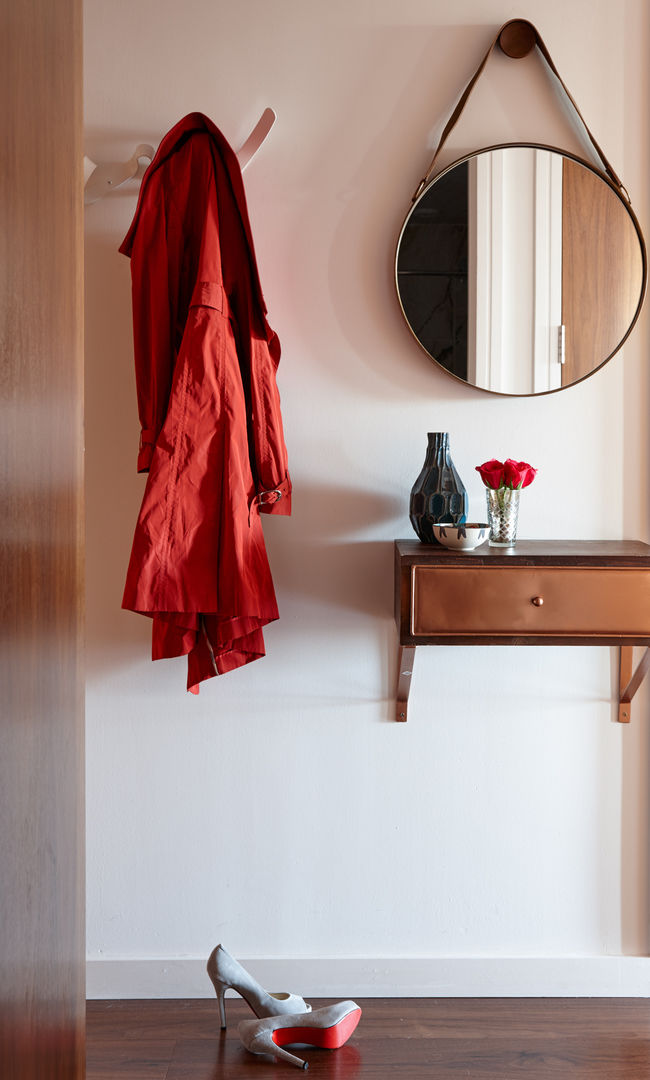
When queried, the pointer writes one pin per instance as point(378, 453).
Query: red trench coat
point(212, 440)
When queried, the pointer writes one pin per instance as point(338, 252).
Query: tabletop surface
point(570, 552)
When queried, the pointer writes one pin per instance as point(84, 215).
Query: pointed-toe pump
point(226, 972)
point(329, 1027)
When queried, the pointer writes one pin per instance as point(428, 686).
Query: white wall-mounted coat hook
point(101, 179)
point(257, 136)
point(104, 178)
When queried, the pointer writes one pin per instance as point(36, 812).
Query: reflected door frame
point(503, 277)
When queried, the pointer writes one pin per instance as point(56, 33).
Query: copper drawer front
point(506, 600)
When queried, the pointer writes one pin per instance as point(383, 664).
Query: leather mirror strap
point(608, 168)
point(455, 116)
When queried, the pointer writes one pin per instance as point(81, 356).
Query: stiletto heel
point(329, 1027)
point(227, 973)
point(221, 999)
point(261, 1041)
point(284, 1055)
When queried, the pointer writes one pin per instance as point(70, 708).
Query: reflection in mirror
point(520, 270)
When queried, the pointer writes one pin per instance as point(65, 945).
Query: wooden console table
point(541, 592)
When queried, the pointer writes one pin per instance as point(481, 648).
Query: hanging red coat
point(212, 440)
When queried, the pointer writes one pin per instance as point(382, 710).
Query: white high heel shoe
point(329, 1027)
point(226, 972)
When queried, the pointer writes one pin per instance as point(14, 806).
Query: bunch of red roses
point(506, 474)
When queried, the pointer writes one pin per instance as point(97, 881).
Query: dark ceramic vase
point(438, 494)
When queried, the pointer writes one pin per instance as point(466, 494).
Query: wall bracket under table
point(629, 683)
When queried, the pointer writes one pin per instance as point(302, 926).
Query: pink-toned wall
point(497, 842)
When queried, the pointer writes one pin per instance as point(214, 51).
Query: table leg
point(405, 661)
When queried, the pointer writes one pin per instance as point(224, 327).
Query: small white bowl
point(462, 537)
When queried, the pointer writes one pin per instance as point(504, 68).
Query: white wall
point(283, 812)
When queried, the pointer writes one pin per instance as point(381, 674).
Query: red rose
point(518, 474)
point(491, 473)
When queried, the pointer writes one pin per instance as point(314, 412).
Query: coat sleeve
point(271, 467)
point(154, 299)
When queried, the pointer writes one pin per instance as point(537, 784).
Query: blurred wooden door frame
point(41, 714)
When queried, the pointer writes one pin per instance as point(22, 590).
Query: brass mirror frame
point(580, 161)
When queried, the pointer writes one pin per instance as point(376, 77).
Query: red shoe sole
point(329, 1038)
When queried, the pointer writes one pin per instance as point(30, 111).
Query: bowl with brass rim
point(464, 537)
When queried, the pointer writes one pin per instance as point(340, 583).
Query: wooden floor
point(415, 1038)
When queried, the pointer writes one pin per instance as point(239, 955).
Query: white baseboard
point(581, 976)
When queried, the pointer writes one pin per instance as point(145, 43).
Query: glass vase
point(503, 515)
point(438, 494)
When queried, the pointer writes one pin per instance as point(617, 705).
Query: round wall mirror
point(520, 270)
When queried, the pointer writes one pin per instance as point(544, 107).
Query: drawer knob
point(538, 601)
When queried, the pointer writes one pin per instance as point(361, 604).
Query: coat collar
point(198, 122)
